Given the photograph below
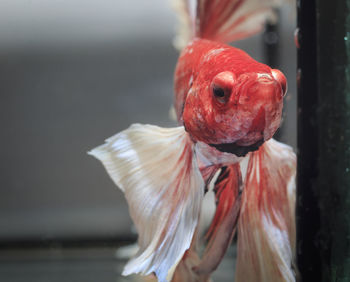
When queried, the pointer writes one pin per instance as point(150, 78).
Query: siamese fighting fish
point(228, 107)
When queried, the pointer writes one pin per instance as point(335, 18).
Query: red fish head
point(235, 113)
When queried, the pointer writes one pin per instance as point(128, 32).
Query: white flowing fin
point(185, 28)
point(157, 170)
point(266, 227)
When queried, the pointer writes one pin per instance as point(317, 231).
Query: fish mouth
point(239, 151)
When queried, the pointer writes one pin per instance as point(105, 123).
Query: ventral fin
point(227, 189)
point(184, 270)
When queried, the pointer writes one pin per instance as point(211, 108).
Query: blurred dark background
point(73, 73)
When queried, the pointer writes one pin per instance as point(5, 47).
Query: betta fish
point(228, 107)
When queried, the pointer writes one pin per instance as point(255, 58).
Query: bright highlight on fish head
point(236, 113)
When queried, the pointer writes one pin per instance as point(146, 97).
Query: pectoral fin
point(157, 170)
point(266, 227)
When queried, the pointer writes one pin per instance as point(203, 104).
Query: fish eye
point(220, 94)
point(222, 85)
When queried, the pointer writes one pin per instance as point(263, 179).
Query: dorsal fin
point(221, 20)
point(231, 20)
point(185, 27)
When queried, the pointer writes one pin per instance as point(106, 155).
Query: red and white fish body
point(228, 106)
point(225, 98)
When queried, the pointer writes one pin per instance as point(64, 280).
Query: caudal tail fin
point(222, 20)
